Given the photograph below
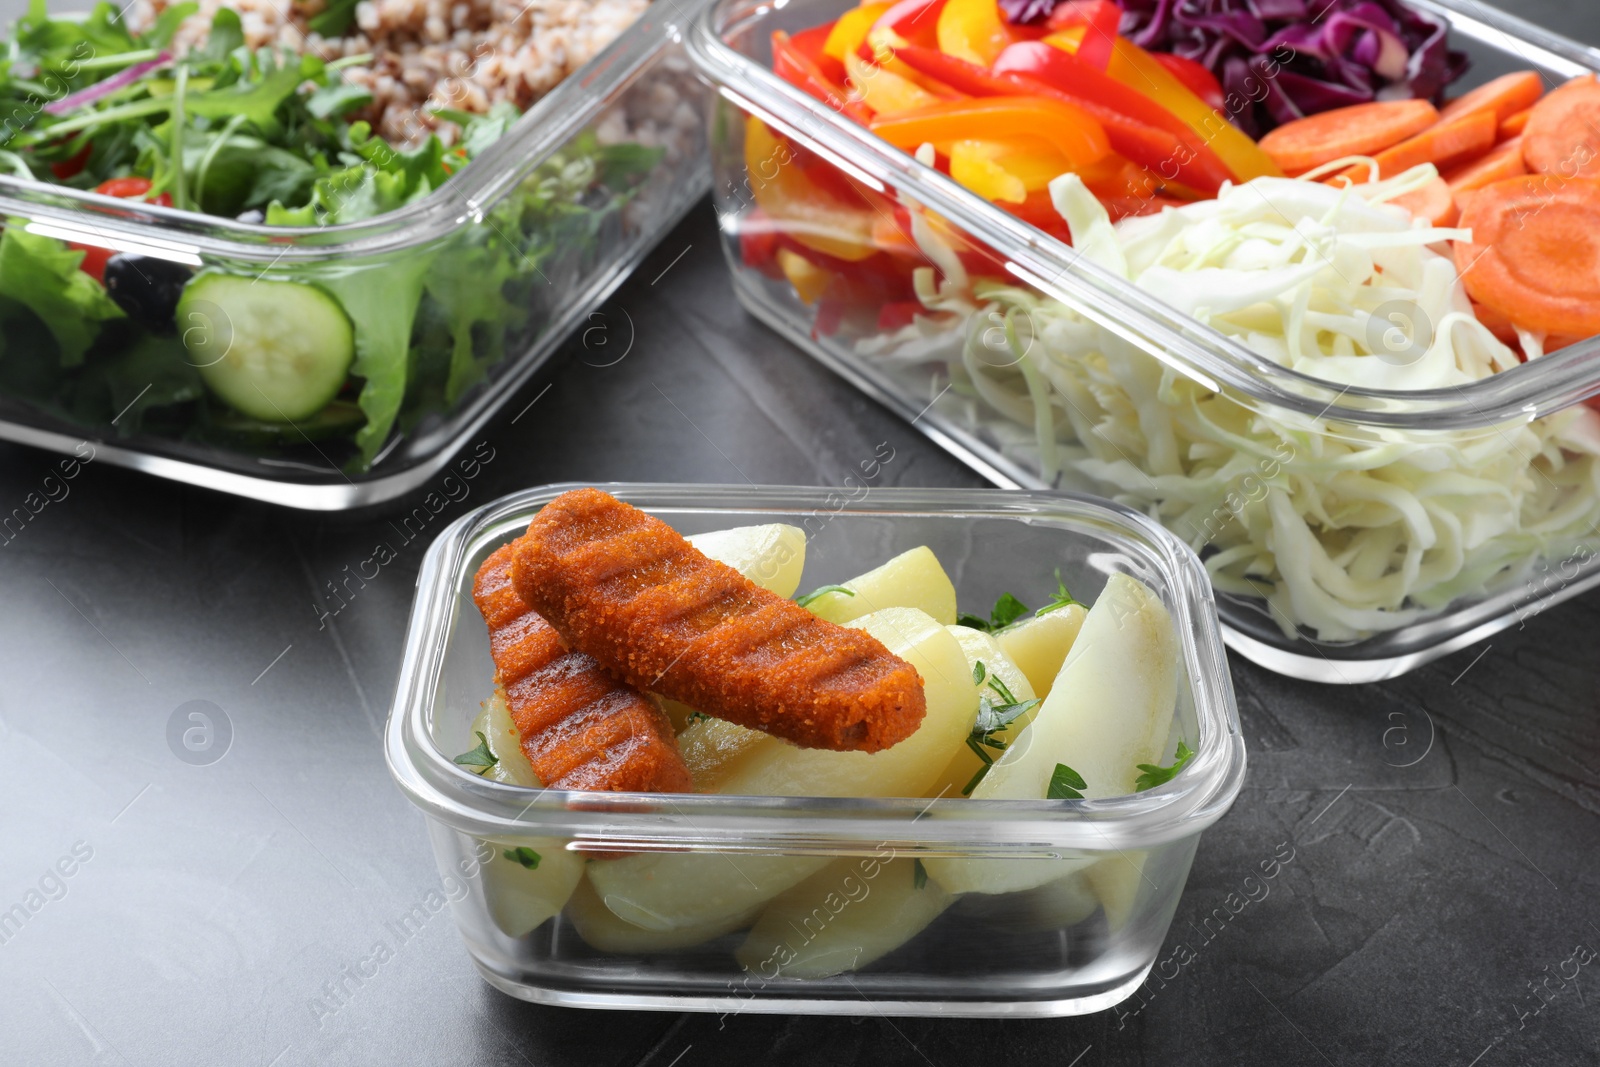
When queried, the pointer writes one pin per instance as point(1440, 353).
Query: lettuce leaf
point(42, 274)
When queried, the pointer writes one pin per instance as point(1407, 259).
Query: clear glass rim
point(632, 822)
point(542, 130)
point(1521, 394)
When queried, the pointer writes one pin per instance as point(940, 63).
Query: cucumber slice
point(275, 351)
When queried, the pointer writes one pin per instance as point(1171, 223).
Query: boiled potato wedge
point(521, 898)
point(732, 759)
point(840, 920)
point(912, 579)
point(676, 890)
point(980, 647)
point(665, 891)
point(494, 722)
point(772, 555)
point(1039, 646)
point(601, 929)
point(1109, 710)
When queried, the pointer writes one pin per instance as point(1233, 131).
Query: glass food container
point(1040, 369)
point(548, 221)
point(1110, 872)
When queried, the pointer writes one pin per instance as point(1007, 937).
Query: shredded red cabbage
point(1280, 60)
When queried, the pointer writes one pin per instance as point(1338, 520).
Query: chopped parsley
point(805, 601)
point(1065, 784)
point(919, 874)
point(1155, 775)
point(694, 717)
point(1007, 610)
point(1062, 598)
point(479, 757)
point(524, 855)
point(992, 718)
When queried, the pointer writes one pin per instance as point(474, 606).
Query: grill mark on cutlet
point(578, 725)
point(705, 635)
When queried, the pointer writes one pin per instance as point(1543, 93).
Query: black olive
point(254, 215)
point(146, 288)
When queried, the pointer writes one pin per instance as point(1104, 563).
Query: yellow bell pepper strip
point(803, 210)
point(912, 21)
point(1006, 171)
point(809, 281)
point(885, 91)
point(1138, 69)
point(851, 29)
point(973, 30)
point(1069, 130)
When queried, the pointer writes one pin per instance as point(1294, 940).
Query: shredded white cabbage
point(1346, 531)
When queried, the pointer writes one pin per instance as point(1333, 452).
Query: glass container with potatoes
point(1020, 853)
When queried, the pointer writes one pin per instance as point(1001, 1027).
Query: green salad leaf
point(42, 274)
point(1007, 610)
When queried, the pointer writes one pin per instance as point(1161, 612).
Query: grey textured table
point(1443, 827)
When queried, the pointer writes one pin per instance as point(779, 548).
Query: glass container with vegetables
point(1014, 844)
point(1337, 345)
point(213, 265)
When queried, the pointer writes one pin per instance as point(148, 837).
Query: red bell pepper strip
point(1100, 20)
point(809, 44)
point(915, 22)
point(1066, 72)
point(1150, 147)
point(794, 67)
point(1195, 77)
point(72, 165)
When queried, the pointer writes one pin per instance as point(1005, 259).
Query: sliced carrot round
point(1502, 162)
point(1433, 203)
point(1505, 96)
point(1513, 126)
point(1563, 132)
point(1534, 256)
point(1358, 130)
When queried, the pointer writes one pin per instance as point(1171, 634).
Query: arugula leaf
point(478, 132)
point(333, 20)
point(805, 601)
point(332, 101)
point(919, 874)
point(1155, 775)
point(468, 282)
point(257, 101)
point(1061, 599)
point(524, 855)
point(162, 30)
point(1065, 784)
point(477, 757)
point(1007, 610)
point(227, 33)
point(42, 274)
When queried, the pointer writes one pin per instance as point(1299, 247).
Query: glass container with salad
point(860, 797)
point(271, 258)
point(1287, 278)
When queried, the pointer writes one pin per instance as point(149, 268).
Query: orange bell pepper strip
point(798, 69)
point(885, 91)
point(1139, 70)
point(1068, 129)
point(1195, 163)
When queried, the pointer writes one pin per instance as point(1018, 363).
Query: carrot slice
point(1505, 96)
point(1358, 130)
point(1513, 126)
point(1535, 252)
point(1563, 132)
point(1443, 143)
point(1502, 161)
point(1432, 202)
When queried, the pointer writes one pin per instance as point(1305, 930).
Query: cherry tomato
point(94, 258)
point(67, 168)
